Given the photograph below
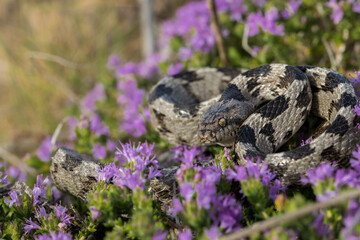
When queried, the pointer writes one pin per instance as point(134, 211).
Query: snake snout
point(206, 136)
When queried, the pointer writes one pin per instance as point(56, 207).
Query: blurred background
point(54, 52)
point(51, 54)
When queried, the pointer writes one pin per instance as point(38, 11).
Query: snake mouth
point(206, 136)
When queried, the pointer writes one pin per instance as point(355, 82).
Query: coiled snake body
point(257, 111)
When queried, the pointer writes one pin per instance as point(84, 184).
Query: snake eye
point(222, 122)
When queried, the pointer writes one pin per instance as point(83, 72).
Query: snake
point(257, 111)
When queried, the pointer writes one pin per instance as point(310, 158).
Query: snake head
point(221, 122)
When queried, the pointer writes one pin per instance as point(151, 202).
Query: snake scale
point(259, 110)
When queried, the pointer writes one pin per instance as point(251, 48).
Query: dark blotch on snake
point(268, 130)
point(330, 154)
point(304, 98)
point(232, 92)
point(160, 118)
point(332, 80)
point(339, 126)
point(356, 120)
point(159, 91)
point(190, 76)
point(299, 152)
point(255, 154)
point(247, 135)
point(291, 74)
point(348, 100)
point(274, 108)
point(288, 134)
point(258, 71)
point(231, 72)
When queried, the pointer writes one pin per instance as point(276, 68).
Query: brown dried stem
point(216, 28)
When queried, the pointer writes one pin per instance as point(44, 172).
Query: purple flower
point(273, 192)
point(159, 235)
point(4, 179)
point(113, 61)
point(141, 155)
point(130, 179)
point(185, 53)
point(337, 12)
point(269, 23)
point(96, 94)
point(61, 214)
point(356, 7)
point(99, 151)
point(185, 235)
point(228, 212)
point(149, 68)
point(227, 154)
point(347, 177)
point(30, 225)
point(239, 174)
point(84, 122)
point(131, 99)
point(95, 213)
point(42, 212)
point(326, 195)
point(126, 69)
point(37, 192)
point(294, 5)
point(206, 193)
point(154, 173)
point(40, 183)
point(175, 68)
point(72, 122)
point(54, 236)
point(253, 22)
point(355, 79)
point(44, 151)
point(97, 126)
point(111, 145)
point(187, 191)
point(108, 172)
point(212, 233)
point(321, 228)
point(176, 208)
point(355, 161)
point(56, 194)
point(307, 141)
point(237, 9)
point(320, 173)
point(14, 199)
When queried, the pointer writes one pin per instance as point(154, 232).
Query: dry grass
point(52, 52)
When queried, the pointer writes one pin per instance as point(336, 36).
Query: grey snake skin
point(259, 110)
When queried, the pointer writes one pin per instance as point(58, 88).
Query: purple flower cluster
point(257, 171)
point(39, 188)
point(44, 151)
point(267, 22)
point(146, 69)
point(192, 23)
point(337, 9)
point(223, 210)
point(137, 165)
point(337, 12)
point(131, 98)
point(14, 199)
point(96, 94)
point(54, 236)
point(97, 126)
point(62, 216)
point(4, 179)
point(327, 181)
